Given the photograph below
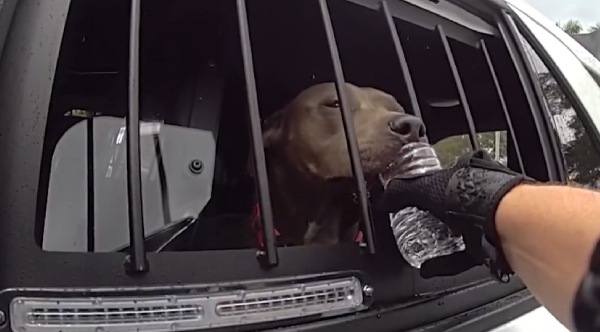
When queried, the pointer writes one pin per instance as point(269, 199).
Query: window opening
point(242, 81)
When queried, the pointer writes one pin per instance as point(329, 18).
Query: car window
point(571, 68)
point(581, 157)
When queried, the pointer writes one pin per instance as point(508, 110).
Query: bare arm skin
point(548, 234)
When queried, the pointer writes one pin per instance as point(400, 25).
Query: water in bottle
point(419, 235)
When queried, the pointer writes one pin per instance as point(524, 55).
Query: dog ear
point(273, 128)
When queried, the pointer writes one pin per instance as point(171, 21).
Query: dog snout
point(409, 128)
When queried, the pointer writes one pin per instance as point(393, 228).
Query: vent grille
point(187, 311)
point(56, 316)
point(284, 300)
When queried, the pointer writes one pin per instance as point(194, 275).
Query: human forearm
point(548, 234)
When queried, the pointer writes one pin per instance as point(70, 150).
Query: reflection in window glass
point(493, 142)
point(582, 160)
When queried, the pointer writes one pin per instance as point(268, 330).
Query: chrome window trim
point(523, 9)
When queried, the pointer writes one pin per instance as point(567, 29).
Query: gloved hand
point(466, 197)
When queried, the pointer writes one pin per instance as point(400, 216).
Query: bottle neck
point(413, 159)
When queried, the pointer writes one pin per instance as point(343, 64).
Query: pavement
point(537, 320)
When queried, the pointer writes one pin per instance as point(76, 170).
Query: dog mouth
point(379, 171)
point(381, 159)
point(413, 158)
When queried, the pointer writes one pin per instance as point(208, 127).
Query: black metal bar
point(91, 207)
point(412, 94)
point(511, 130)
point(348, 124)
point(136, 261)
point(516, 52)
point(269, 254)
point(460, 88)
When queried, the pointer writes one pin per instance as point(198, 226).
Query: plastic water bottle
point(419, 235)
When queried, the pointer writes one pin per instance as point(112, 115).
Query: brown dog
point(308, 160)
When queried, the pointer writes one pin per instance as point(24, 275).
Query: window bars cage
point(511, 130)
point(459, 86)
point(348, 123)
point(409, 82)
point(136, 260)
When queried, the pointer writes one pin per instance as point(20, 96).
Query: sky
point(586, 11)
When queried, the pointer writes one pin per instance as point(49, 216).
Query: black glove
point(466, 197)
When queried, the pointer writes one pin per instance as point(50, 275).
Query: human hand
point(466, 197)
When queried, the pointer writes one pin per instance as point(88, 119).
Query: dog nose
point(410, 128)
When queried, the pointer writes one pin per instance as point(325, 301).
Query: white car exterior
point(582, 71)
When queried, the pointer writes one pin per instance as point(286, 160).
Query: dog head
point(309, 131)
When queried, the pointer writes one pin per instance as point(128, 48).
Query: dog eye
point(333, 104)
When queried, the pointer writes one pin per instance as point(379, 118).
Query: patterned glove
point(466, 197)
